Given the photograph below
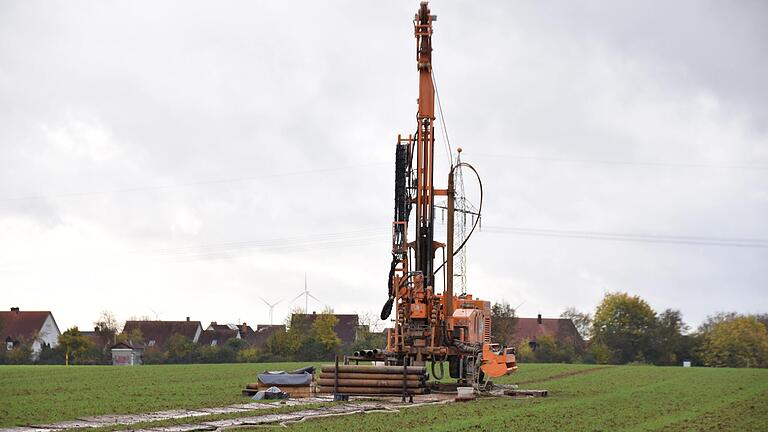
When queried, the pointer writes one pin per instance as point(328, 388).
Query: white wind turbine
point(306, 295)
point(271, 308)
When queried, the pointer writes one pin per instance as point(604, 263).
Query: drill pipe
point(371, 390)
point(420, 370)
point(325, 382)
point(373, 376)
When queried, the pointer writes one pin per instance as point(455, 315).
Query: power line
point(230, 249)
point(444, 129)
point(223, 250)
point(620, 162)
point(632, 237)
point(189, 184)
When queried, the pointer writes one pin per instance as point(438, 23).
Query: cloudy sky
point(184, 158)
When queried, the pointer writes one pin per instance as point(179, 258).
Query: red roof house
point(217, 336)
point(346, 328)
point(34, 327)
point(257, 338)
point(157, 333)
point(561, 329)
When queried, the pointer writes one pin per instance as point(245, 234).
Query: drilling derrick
point(429, 325)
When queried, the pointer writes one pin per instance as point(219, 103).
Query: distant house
point(125, 354)
point(157, 333)
point(257, 338)
point(218, 334)
point(35, 327)
point(531, 329)
point(216, 326)
point(346, 328)
point(99, 340)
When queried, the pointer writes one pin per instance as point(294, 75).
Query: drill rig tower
point(432, 326)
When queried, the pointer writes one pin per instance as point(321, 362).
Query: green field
point(38, 394)
point(582, 397)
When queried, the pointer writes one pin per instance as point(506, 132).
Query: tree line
point(625, 329)
point(304, 340)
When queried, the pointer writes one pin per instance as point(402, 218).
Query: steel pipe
point(373, 376)
point(326, 382)
point(420, 370)
point(371, 390)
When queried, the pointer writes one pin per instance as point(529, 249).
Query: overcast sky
point(173, 159)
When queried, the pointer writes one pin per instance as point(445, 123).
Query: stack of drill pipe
point(372, 354)
point(372, 380)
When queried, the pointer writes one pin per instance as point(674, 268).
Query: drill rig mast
point(432, 326)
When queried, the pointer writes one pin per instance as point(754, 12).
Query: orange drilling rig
point(431, 326)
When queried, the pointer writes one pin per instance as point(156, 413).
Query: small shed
point(124, 354)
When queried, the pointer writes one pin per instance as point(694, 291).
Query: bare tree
point(371, 321)
point(107, 327)
point(582, 321)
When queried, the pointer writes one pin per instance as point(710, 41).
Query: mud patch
point(129, 419)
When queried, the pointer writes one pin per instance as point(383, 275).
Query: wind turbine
point(306, 295)
point(157, 314)
point(271, 308)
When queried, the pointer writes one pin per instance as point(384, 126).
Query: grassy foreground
point(593, 398)
point(582, 397)
point(41, 394)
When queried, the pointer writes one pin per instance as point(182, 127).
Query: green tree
point(597, 353)
point(51, 356)
point(551, 350)
point(76, 346)
point(625, 325)
point(216, 354)
point(236, 344)
point(282, 346)
point(524, 353)
point(248, 355)
point(503, 323)
point(154, 355)
point(763, 319)
point(323, 333)
point(738, 342)
point(181, 350)
point(667, 340)
point(134, 338)
point(20, 354)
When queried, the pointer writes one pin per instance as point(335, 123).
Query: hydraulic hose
point(479, 212)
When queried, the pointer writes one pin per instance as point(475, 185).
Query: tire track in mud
point(563, 375)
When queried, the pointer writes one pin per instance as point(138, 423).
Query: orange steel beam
point(425, 143)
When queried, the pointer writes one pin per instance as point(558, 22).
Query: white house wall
point(50, 332)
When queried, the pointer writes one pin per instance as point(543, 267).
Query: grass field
point(582, 397)
point(38, 394)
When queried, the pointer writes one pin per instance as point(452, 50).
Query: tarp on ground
point(285, 378)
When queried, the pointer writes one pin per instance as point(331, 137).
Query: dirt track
point(563, 375)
